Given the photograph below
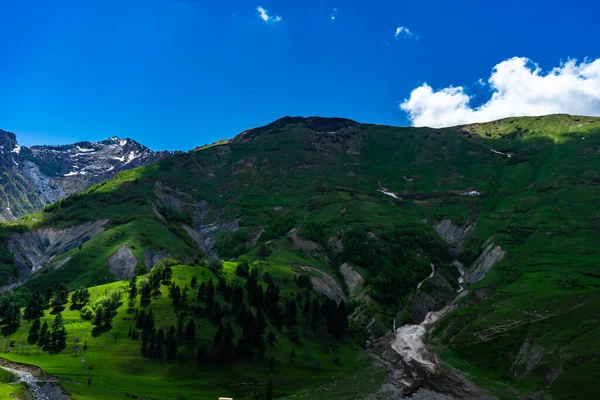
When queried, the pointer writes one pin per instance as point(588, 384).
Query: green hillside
point(297, 199)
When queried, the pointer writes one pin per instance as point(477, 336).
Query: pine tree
point(190, 330)
point(133, 291)
point(315, 310)
point(43, 340)
point(171, 344)
point(12, 316)
point(290, 312)
point(48, 297)
point(61, 298)
point(35, 307)
point(216, 312)
point(167, 274)
point(175, 294)
point(261, 322)
point(238, 298)
point(140, 319)
point(146, 293)
point(184, 297)
point(201, 355)
point(34, 332)
point(201, 295)
point(340, 320)
point(159, 345)
point(98, 320)
point(180, 325)
point(218, 336)
point(75, 297)
point(58, 335)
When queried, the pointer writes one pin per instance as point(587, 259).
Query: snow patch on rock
point(388, 193)
point(472, 193)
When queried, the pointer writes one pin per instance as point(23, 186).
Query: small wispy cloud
point(404, 32)
point(333, 15)
point(264, 15)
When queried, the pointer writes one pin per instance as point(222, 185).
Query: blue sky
point(177, 74)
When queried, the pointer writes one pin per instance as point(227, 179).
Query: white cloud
point(519, 88)
point(264, 15)
point(403, 31)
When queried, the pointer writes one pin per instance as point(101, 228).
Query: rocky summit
point(38, 175)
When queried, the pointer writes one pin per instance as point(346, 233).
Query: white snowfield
point(501, 153)
point(83, 149)
point(75, 173)
point(388, 193)
point(409, 342)
point(472, 193)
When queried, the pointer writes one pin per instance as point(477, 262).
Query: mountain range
point(35, 176)
point(311, 258)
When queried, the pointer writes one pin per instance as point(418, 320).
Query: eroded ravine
point(41, 385)
point(412, 366)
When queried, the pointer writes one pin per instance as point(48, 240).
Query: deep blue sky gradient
point(177, 74)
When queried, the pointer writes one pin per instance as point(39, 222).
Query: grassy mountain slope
point(113, 360)
point(529, 324)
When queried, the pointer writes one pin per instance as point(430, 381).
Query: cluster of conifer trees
point(51, 338)
point(247, 309)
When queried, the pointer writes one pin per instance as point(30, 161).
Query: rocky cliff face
point(35, 249)
point(32, 177)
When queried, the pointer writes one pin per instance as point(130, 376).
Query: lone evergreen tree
point(133, 291)
point(34, 332)
point(190, 330)
point(43, 340)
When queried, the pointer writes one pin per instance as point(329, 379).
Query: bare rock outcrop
point(307, 246)
point(205, 223)
point(530, 354)
point(335, 243)
point(354, 280)
point(122, 263)
point(151, 257)
point(454, 235)
point(34, 249)
point(166, 196)
point(244, 165)
point(491, 256)
point(324, 283)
